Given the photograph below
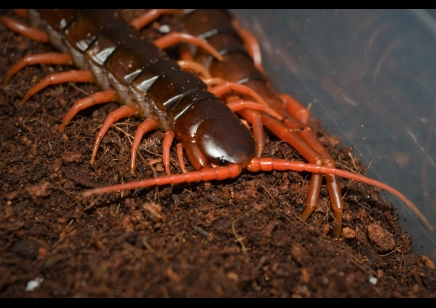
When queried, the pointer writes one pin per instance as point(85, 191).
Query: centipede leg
point(295, 108)
point(148, 17)
point(255, 119)
point(307, 134)
point(312, 156)
point(256, 164)
point(331, 179)
point(227, 86)
point(179, 148)
point(94, 99)
point(195, 156)
point(52, 79)
point(206, 174)
point(45, 58)
point(23, 29)
point(122, 112)
point(238, 105)
point(305, 142)
point(178, 37)
point(251, 44)
point(269, 164)
point(172, 38)
point(185, 54)
point(300, 113)
point(213, 82)
point(194, 66)
point(166, 145)
point(144, 128)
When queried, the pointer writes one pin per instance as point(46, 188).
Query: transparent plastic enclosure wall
point(371, 78)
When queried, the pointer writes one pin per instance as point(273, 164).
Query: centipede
point(209, 113)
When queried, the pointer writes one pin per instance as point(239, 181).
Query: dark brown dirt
point(236, 238)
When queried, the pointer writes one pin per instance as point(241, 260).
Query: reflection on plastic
point(371, 76)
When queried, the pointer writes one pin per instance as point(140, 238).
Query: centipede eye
point(222, 161)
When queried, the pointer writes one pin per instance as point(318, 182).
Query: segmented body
point(117, 54)
point(216, 27)
point(145, 77)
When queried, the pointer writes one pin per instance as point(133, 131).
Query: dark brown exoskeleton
point(136, 73)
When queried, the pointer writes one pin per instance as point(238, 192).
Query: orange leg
point(305, 142)
point(23, 29)
point(255, 119)
point(205, 174)
point(166, 145)
point(306, 133)
point(45, 58)
point(239, 105)
point(81, 104)
point(251, 44)
point(194, 66)
point(180, 157)
point(144, 128)
point(213, 81)
point(268, 164)
point(331, 179)
point(185, 54)
point(227, 86)
point(177, 37)
point(295, 108)
point(122, 112)
point(256, 165)
point(291, 136)
point(148, 17)
point(52, 79)
point(195, 156)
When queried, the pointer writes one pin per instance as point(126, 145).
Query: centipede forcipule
point(189, 246)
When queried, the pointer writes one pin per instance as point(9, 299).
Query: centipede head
point(213, 134)
point(224, 139)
